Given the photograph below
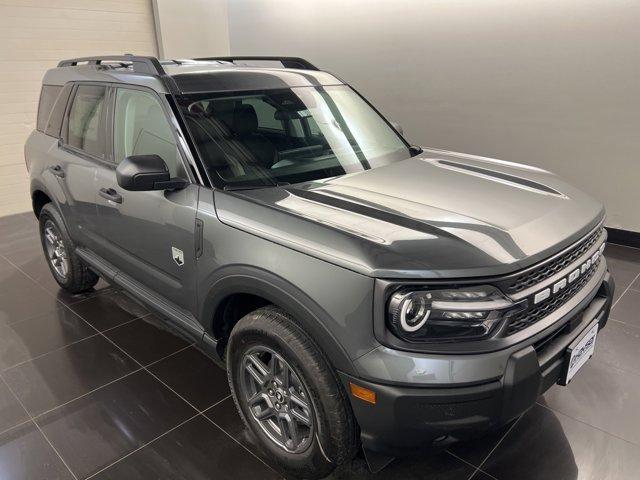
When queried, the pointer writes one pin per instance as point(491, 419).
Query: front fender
point(309, 314)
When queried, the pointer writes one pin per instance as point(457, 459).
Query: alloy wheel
point(56, 251)
point(277, 399)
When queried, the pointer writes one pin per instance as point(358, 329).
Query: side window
point(314, 129)
point(141, 128)
point(296, 128)
point(265, 112)
point(48, 96)
point(86, 131)
point(56, 117)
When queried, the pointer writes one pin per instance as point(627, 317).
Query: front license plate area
point(578, 353)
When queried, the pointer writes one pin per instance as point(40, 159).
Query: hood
point(436, 215)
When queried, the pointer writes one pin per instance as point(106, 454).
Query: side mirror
point(397, 127)
point(141, 173)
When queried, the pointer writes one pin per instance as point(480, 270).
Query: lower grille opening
point(541, 345)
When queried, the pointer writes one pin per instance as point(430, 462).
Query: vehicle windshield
point(291, 135)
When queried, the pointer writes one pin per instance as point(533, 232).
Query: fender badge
point(178, 256)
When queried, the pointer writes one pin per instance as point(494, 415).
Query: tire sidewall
point(314, 458)
point(80, 278)
point(49, 213)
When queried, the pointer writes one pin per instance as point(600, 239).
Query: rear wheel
point(66, 267)
point(289, 396)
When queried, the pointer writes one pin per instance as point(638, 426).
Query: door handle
point(57, 171)
point(110, 194)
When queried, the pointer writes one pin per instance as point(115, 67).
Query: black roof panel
point(241, 78)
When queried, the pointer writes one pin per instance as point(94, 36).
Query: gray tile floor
point(92, 386)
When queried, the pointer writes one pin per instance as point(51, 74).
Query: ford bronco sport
point(360, 291)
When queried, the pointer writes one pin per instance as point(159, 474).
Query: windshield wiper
point(233, 188)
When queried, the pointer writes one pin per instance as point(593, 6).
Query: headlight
point(468, 313)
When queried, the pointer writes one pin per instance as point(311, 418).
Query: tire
point(332, 438)
point(71, 273)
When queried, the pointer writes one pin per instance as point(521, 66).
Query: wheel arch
point(267, 288)
point(40, 196)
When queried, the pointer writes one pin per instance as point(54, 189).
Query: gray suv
point(360, 291)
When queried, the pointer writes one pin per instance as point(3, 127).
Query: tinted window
point(48, 96)
point(57, 114)
point(329, 131)
point(314, 129)
point(85, 120)
point(141, 128)
point(296, 128)
point(265, 112)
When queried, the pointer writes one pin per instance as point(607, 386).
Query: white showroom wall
point(191, 28)
point(36, 34)
point(553, 83)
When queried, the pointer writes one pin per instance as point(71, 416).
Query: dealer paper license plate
point(579, 352)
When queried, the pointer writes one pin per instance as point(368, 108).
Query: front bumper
point(407, 418)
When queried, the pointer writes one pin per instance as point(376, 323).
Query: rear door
point(74, 160)
point(150, 236)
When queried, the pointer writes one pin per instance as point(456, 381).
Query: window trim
point(64, 131)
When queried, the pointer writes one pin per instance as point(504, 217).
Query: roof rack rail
point(287, 62)
point(140, 64)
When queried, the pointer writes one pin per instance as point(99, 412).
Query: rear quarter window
point(48, 96)
point(56, 117)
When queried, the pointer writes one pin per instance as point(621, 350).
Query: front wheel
point(289, 396)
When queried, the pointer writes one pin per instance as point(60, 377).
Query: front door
point(148, 235)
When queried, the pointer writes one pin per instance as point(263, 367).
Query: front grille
point(535, 313)
point(538, 274)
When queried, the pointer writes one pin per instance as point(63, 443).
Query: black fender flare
point(39, 185)
point(235, 279)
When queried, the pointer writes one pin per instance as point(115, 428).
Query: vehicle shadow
point(534, 447)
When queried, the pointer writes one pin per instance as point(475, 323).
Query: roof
point(216, 74)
